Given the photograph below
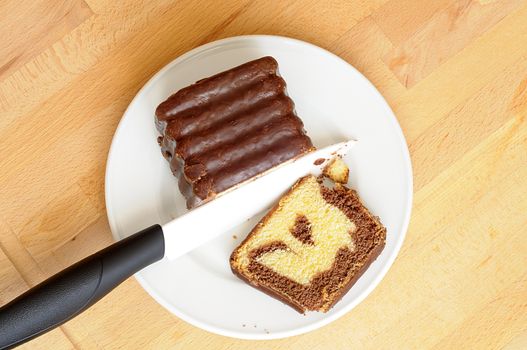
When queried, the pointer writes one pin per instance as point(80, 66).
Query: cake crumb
point(337, 171)
point(234, 237)
point(319, 161)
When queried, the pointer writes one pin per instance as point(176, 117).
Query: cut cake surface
point(228, 128)
point(311, 247)
point(337, 170)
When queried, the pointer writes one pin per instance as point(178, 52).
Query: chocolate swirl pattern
point(302, 261)
point(312, 247)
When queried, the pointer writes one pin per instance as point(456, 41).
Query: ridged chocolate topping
point(277, 132)
point(232, 130)
point(253, 164)
point(228, 128)
point(208, 90)
point(238, 102)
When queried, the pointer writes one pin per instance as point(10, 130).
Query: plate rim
point(325, 320)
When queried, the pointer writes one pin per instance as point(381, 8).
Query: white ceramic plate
point(336, 103)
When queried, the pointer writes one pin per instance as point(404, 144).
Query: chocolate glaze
point(230, 127)
point(238, 102)
point(278, 131)
point(205, 91)
point(254, 164)
point(235, 128)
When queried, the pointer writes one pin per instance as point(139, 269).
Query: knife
point(73, 290)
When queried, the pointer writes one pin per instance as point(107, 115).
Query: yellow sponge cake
point(312, 246)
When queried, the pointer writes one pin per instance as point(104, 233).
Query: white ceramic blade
point(211, 219)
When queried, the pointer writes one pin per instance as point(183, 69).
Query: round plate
point(336, 103)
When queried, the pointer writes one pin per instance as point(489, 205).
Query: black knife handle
point(73, 290)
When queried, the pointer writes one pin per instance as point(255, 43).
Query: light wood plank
point(459, 281)
point(462, 76)
point(455, 134)
point(400, 19)
point(447, 33)
point(324, 20)
point(12, 284)
point(505, 317)
point(40, 23)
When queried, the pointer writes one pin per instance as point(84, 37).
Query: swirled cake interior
point(311, 247)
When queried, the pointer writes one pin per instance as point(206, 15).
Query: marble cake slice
point(311, 248)
point(229, 128)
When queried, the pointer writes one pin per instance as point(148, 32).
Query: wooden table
point(454, 72)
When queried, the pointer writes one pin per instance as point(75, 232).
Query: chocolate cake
point(311, 247)
point(228, 128)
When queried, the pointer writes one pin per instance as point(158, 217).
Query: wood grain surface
point(454, 72)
